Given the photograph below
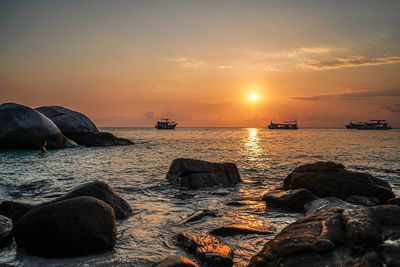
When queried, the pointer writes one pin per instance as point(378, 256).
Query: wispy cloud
point(225, 67)
point(187, 62)
point(391, 92)
point(353, 61)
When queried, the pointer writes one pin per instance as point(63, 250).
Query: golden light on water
point(252, 147)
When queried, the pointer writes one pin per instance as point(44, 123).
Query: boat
point(165, 124)
point(369, 125)
point(286, 125)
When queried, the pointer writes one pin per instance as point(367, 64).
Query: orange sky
point(129, 63)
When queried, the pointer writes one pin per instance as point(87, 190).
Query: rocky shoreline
point(350, 219)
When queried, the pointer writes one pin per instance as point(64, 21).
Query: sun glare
point(253, 97)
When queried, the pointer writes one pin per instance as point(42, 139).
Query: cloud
point(187, 62)
point(395, 108)
point(353, 61)
point(391, 92)
point(225, 67)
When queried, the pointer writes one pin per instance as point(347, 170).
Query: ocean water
point(264, 158)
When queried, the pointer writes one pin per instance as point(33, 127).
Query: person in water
point(43, 149)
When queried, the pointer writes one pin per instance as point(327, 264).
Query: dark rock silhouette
point(292, 200)
point(80, 128)
point(335, 237)
point(24, 128)
point(362, 200)
point(209, 249)
point(5, 231)
point(176, 261)
point(329, 179)
point(69, 228)
point(194, 174)
point(200, 215)
point(96, 189)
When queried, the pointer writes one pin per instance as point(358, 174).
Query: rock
point(394, 201)
point(96, 189)
point(329, 179)
point(335, 238)
point(362, 200)
point(24, 128)
point(194, 174)
point(327, 203)
point(80, 128)
point(208, 249)
point(14, 210)
point(5, 231)
point(317, 232)
point(292, 200)
point(69, 228)
point(176, 261)
point(389, 252)
point(102, 191)
point(249, 228)
point(197, 216)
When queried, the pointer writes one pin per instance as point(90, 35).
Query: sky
point(203, 63)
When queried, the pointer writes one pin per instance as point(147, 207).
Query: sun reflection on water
point(252, 144)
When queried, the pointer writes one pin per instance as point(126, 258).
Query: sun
point(253, 97)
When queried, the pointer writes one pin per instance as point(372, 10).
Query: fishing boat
point(286, 125)
point(369, 125)
point(165, 124)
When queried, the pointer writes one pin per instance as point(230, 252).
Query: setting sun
point(253, 97)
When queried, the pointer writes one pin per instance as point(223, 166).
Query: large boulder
point(292, 200)
point(69, 228)
point(176, 261)
point(329, 179)
point(335, 237)
point(22, 127)
point(194, 174)
point(80, 128)
point(96, 189)
point(5, 231)
point(209, 249)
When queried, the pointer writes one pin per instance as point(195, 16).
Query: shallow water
point(264, 158)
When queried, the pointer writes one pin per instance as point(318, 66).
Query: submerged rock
point(209, 249)
point(334, 238)
point(329, 179)
point(244, 229)
point(69, 228)
point(176, 261)
point(80, 128)
point(24, 128)
point(5, 231)
point(327, 203)
point(194, 174)
point(197, 216)
point(96, 189)
point(292, 200)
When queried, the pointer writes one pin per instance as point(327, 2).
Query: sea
point(264, 158)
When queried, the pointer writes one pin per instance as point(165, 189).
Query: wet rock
point(14, 210)
point(335, 238)
point(176, 261)
point(292, 200)
point(194, 174)
point(394, 201)
point(197, 216)
point(102, 191)
point(96, 189)
point(244, 229)
point(237, 203)
point(24, 128)
point(209, 249)
point(327, 203)
point(5, 231)
point(362, 200)
point(329, 179)
point(69, 228)
point(80, 128)
point(317, 233)
point(389, 252)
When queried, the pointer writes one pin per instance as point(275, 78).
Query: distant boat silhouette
point(165, 124)
point(370, 125)
point(286, 125)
